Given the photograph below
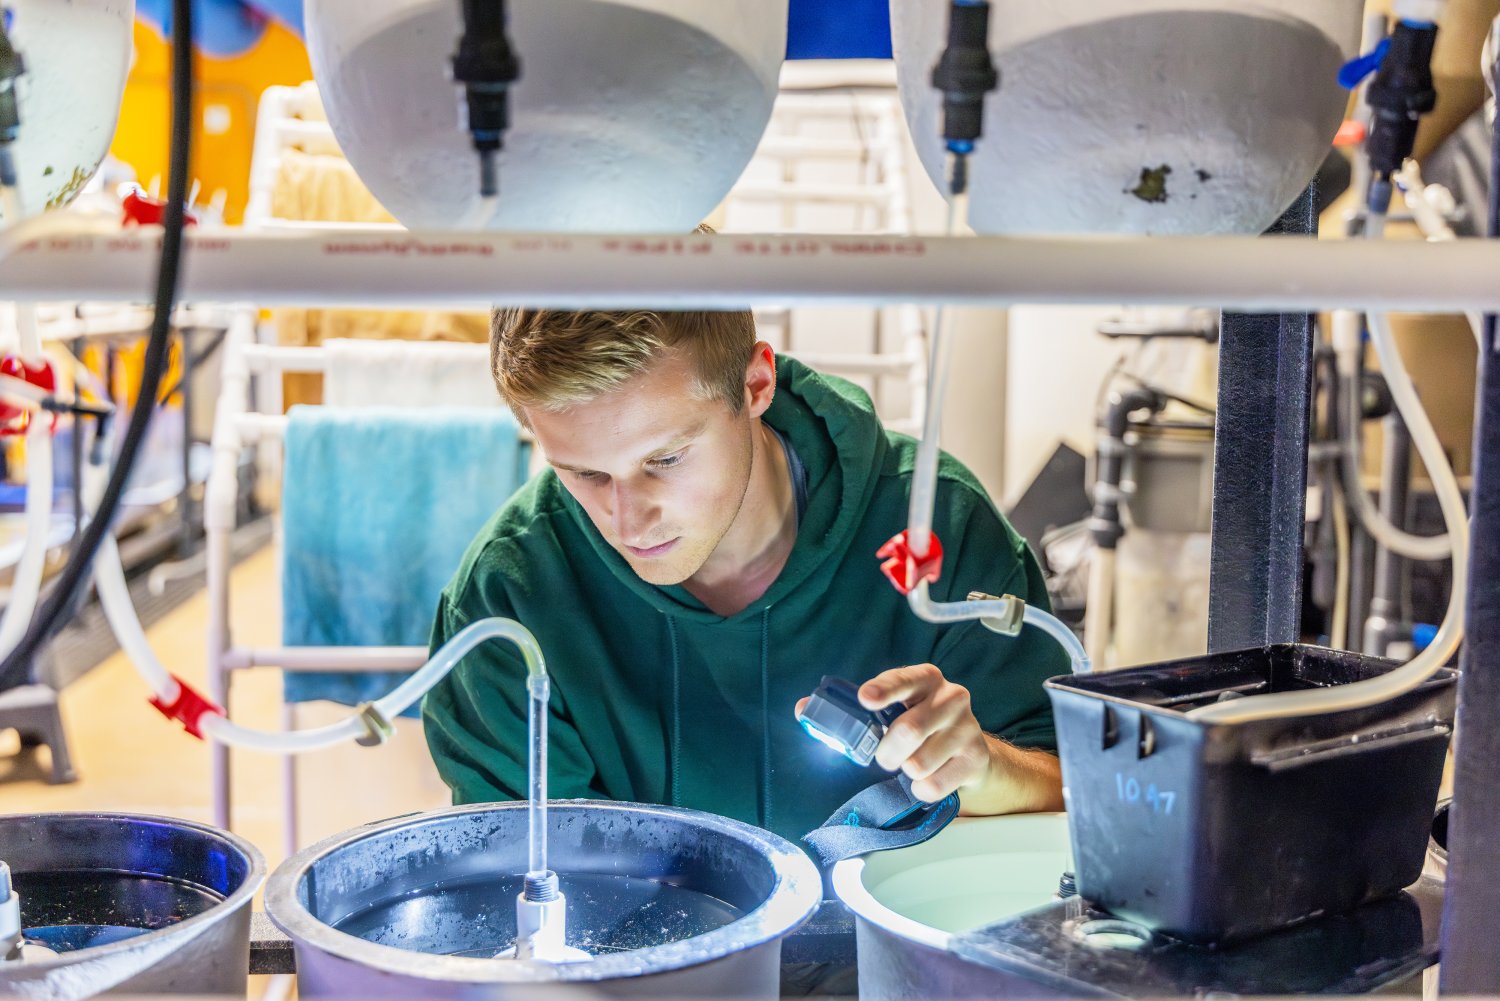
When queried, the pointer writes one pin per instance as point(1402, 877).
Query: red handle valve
point(907, 569)
point(188, 708)
point(16, 419)
point(140, 209)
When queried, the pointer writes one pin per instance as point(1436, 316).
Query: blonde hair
point(553, 359)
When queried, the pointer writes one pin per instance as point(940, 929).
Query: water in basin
point(477, 916)
point(71, 910)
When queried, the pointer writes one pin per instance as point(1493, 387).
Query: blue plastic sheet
point(816, 29)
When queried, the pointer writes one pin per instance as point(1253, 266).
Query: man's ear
point(760, 379)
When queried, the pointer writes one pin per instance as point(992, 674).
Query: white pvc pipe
point(27, 586)
point(40, 261)
point(1098, 621)
point(221, 493)
point(332, 658)
point(276, 358)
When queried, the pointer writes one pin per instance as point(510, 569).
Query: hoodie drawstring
point(676, 710)
point(765, 718)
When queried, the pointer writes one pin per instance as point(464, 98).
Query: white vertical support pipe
point(290, 832)
point(1099, 614)
point(220, 498)
point(216, 551)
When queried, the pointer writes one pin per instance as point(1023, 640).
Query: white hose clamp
point(378, 726)
point(1009, 616)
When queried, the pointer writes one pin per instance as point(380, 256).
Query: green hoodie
point(656, 699)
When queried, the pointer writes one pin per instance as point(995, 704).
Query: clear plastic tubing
point(924, 482)
point(536, 727)
point(941, 612)
point(1058, 630)
point(924, 488)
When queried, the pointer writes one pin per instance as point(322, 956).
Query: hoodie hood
point(832, 426)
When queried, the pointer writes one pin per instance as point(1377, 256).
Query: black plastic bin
point(1214, 832)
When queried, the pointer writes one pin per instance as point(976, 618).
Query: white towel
point(408, 374)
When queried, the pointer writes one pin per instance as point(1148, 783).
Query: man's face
point(661, 473)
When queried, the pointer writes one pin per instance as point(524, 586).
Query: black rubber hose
point(14, 669)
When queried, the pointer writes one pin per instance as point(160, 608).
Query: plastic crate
point(1214, 832)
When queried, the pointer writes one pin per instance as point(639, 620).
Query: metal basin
point(667, 901)
point(910, 903)
point(132, 904)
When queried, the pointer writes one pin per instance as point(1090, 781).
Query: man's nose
point(634, 516)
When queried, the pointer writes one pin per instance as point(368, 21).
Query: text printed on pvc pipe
point(665, 247)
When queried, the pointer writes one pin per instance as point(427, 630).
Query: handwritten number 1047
point(1156, 800)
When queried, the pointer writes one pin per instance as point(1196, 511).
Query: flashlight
point(834, 717)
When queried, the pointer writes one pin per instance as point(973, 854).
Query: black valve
point(965, 73)
point(1401, 93)
point(487, 66)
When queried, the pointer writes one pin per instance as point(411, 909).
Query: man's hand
point(938, 743)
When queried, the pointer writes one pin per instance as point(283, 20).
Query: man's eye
point(667, 461)
point(588, 474)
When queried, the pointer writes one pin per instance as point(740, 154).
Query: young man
point(700, 553)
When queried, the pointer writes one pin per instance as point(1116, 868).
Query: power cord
point(16, 666)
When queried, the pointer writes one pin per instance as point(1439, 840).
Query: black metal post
point(1470, 960)
point(1260, 469)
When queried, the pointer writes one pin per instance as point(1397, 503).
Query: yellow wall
point(224, 132)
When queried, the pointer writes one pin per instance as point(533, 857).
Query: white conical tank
point(77, 56)
point(1139, 116)
point(629, 114)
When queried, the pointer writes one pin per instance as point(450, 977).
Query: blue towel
point(378, 506)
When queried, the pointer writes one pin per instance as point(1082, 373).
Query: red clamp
point(905, 568)
point(188, 708)
point(140, 209)
point(15, 420)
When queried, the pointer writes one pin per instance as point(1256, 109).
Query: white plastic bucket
point(77, 57)
point(1139, 116)
point(910, 903)
point(629, 114)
